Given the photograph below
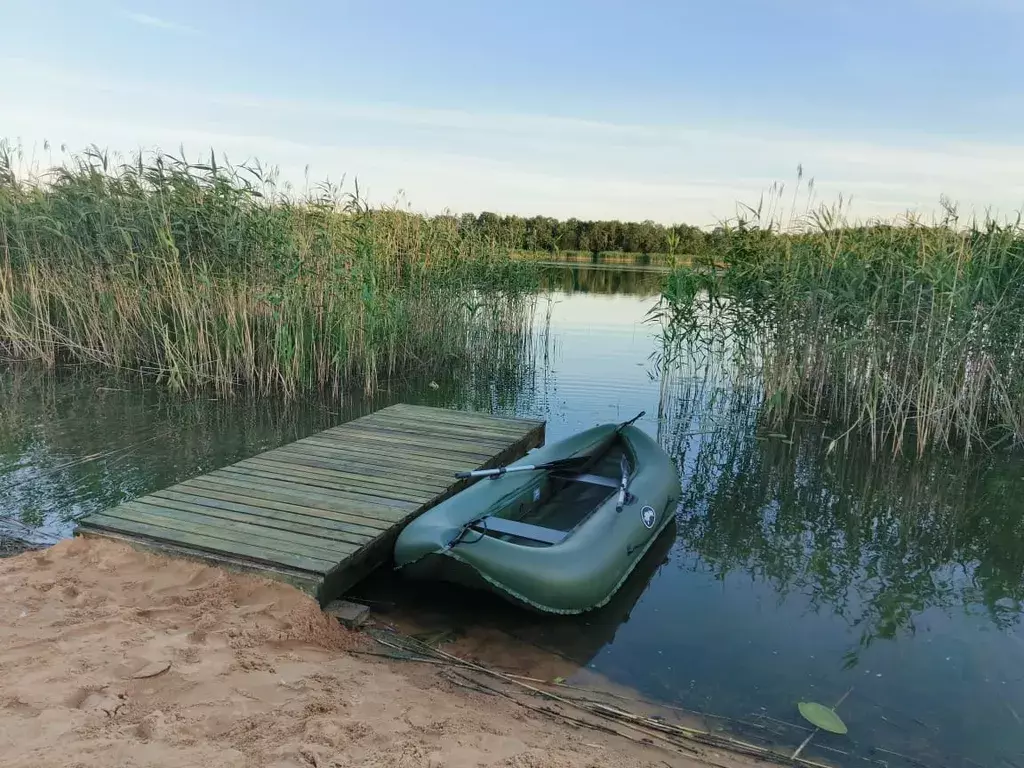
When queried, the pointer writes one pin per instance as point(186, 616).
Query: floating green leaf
point(822, 717)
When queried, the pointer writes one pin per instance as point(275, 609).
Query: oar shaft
point(574, 461)
point(498, 471)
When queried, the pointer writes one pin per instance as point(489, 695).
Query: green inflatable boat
point(558, 531)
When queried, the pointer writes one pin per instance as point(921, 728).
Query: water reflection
point(71, 444)
point(877, 542)
point(582, 279)
point(816, 571)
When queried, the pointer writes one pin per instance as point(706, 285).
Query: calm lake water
point(791, 575)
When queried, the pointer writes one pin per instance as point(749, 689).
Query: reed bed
point(909, 332)
point(209, 275)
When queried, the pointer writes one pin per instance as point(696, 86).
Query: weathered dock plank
point(323, 511)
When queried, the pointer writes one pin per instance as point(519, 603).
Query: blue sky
point(674, 111)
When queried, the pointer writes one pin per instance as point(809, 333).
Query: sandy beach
point(111, 656)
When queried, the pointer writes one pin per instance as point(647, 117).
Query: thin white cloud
point(516, 163)
point(155, 21)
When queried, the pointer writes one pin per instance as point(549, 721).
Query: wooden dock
point(324, 511)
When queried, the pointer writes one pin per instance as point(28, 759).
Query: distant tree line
point(542, 233)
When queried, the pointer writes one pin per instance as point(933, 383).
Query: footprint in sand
point(97, 699)
point(152, 727)
point(16, 705)
point(197, 636)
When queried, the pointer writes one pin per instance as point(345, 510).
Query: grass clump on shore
point(911, 333)
point(204, 274)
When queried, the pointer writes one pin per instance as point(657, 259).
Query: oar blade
point(569, 463)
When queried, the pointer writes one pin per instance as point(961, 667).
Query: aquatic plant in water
point(911, 333)
point(204, 274)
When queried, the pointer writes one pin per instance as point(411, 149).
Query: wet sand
point(111, 656)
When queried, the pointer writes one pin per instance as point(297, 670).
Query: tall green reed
point(909, 332)
point(206, 274)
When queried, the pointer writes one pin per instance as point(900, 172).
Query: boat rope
point(466, 528)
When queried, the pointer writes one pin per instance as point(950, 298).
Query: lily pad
point(822, 717)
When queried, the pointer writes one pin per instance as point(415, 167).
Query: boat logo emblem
point(648, 515)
